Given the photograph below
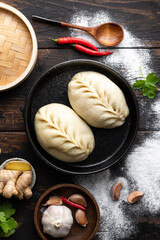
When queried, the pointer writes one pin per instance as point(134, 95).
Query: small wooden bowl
point(18, 47)
point(77, 232)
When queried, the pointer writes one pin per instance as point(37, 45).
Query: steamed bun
point(98, 100)
point(63, 134)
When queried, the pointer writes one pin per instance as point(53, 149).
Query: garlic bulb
point(57, 221)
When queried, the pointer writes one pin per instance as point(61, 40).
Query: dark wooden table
point(142, 19)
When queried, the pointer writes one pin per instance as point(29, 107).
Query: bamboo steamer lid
point(18, 47)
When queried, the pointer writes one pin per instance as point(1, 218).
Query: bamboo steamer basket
point(18, 47)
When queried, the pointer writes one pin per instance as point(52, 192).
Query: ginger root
point(9, 189)
point(15, 183)
point(22, 184)
point(27, 192)
point(7, 182)
point(18, 165)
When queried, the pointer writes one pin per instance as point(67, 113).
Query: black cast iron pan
point(110, 144)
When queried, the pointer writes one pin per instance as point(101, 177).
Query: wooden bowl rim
point(61, 186)
point(33, 59)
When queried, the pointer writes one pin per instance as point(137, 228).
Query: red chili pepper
point(65, 200)
point(89, 51)
point(68, 40)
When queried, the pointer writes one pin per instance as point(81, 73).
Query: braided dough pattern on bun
point(98, 100)
point(63, 134)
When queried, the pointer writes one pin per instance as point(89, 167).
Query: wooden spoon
point(108, 34)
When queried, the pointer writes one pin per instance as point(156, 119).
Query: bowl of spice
point(18, 47)
point(66, 211)
point(17, 177)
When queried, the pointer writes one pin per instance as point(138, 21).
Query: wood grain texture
point(17, 144)
point(12, 143)
point(142, 19)
point(47, 58)
point(13, 119)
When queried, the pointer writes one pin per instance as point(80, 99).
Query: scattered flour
point(155, 108)
point(141, 171)
point(123, 60)
point(114, 224)
point(128, 62)
point(141, 168)
point(87, 19)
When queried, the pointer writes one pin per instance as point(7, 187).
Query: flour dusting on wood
point(156, 112)
point(143, 170)
point(126, 61)
point(141, 166)
point(113, 220)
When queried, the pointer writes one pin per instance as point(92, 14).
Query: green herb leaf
point(2, 234)
point(7, 223)
point(138, 84)
point(4, 227)
point(6, 207)
point(11, 223)
point(2, 217)
point(147, 85)
point(152, 78)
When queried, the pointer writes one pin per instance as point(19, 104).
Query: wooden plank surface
point(48, 58)
point(141, 18)
point(136, 16)
point(13, 118)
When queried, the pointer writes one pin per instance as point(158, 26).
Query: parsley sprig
point(7, 223)
point(147, 85)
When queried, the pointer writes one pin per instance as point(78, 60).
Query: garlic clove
point(134, 196)
point(42, 209)
point(79, 199)
point(115, 190)
point(81, 218)
point(54, 201)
